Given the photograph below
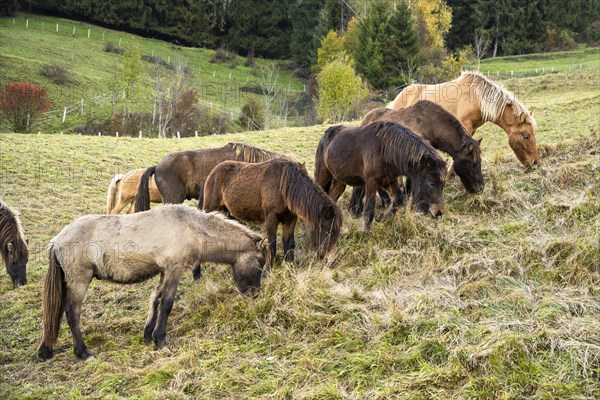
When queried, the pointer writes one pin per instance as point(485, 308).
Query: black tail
point(53, 305)
point(322, 176)
point(142, 198)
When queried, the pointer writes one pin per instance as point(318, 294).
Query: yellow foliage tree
point(435, 17)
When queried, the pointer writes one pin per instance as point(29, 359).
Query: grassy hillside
point(497, 300)
point(32, 41)
point(542, 63)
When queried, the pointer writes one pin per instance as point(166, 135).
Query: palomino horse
point(180, 175)
point(13, 245)
point(475, 100)
point(130, 249)
point(123, 188)
point(275, 192)
point(376, 155)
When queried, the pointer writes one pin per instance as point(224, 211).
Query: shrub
point(223, 56)
point(560, 40)
point(340, 91)
point(58, 74)
point(250, 61)
point(111, 48)
point(21, 103)
point(252, 116)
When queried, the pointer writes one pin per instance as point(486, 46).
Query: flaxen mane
point(404, 149)
point(11, 232)
point(493, 98)
point(253, 154)
point(305, 198)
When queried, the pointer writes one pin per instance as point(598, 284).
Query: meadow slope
point(499, 299)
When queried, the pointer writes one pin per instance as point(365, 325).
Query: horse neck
point(507, 120)
point(301, 197)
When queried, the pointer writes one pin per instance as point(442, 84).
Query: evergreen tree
point(306, 32)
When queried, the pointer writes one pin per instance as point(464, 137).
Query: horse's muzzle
point(19, 282)
point(436, 211)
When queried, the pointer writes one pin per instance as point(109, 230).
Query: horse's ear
point(263, 245)
point(480, 140)
point(470, 147)
point(531, 113)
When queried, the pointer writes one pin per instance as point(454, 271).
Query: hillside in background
point(29, 42)
point(499, 299)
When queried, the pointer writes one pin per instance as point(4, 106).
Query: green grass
point(23, 50)
point(543, 63)
point(497, 300)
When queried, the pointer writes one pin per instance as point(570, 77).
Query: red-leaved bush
point(21, 103)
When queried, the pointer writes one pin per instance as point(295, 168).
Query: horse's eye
point(526, 136)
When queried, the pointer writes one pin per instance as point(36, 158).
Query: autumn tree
point(340, 91)
point(21, 103)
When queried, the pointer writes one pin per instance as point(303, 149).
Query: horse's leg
point(398, 196)
point(356, 201)
point(197, 271)
point(271, 221)
point(369, 213)
point(75, 295)
point(152, 313)
point(169, 288)
point(289, 243)
point(119, 207)
point(337, 188)
point(385, 198)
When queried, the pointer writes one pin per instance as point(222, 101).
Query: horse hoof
point(45, 352)
point(159, 343)
point(84, 355)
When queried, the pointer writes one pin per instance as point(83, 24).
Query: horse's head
point(248, 269)
point(427, 188)
point(324, 235)
point(468, 167)
point(16, 257)
point(521, 138)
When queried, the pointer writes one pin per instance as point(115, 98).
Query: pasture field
point(33, 41)
point(541, 63)
point(499, 299)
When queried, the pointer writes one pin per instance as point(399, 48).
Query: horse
point(123, 188)
point(135, 247)
point(180, 175)
point(475, 100)
point(13, 245)
point(376, 155)
point(444, 132)
point(275, 192)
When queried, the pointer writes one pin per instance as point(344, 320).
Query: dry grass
point(497, 300)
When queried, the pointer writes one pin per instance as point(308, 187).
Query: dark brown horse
point(374, 156)
point(275, 192)
point(180, 175)
point(444, 132)
point(13, 245)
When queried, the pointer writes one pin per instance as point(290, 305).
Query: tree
point(386, 44)
point(480, 46)
point(340, 90)
point(306, 32)
point(168, 90)
point(332, 47)
point(21, 103)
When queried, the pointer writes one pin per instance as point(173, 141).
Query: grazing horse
point(374, 156)
point(180, 175)
point(13, 245)
point(123, 188)
point(475, 100)
point(135, 247)
point(275, 192)
point(444, 132)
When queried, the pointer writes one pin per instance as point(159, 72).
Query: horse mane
point(305, 198)
point(11, 232)
point(494, 97)
point(403, 148)
point(252, 154)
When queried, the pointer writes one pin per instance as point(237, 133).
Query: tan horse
point(133, 248)
point(123, 189)
point(475, 100)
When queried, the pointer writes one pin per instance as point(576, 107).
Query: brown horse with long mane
point(376, 155)
point(180, 175)
point(275, 192)
point(13, 245)
point(123, 189)
point(130, 249)
point(475, 100)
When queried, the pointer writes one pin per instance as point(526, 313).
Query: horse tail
point(142, 198)
point(53, 304)
point(111, 195)
point(201, 195)
point(323, 177)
